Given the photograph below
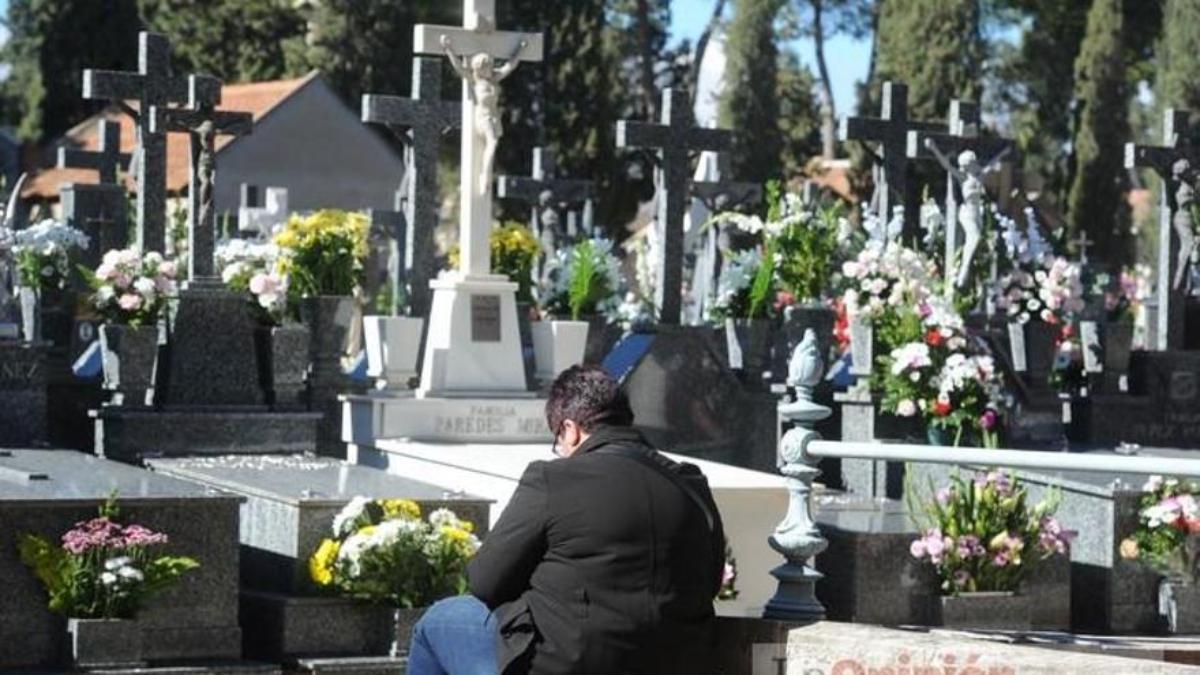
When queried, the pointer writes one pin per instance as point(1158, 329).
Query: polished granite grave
point(288, 507)
point(46, 492)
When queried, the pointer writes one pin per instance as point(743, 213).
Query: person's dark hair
point(589, 396)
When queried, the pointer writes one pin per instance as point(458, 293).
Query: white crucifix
point(473, 51)
point(473, 345)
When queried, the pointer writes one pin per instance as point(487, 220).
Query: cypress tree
point(933, 46)
point(750, 102)
point(1095, 204)
point(1178, 83)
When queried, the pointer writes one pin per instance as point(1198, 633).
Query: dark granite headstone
point(1162, 408)
point(152, 85)
point(23, 380)
point(686, 400)
point(46, 492)
point(426, 118)
point(675, 137)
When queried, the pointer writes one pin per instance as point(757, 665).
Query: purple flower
point(1053, 538)
point(137, 535)
point(1000, 559)
point(94, 533)
point(962, 578)
point(987, 421)
point(969, 546)
point(933, 544)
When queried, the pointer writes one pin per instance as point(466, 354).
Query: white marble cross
point(472, 50)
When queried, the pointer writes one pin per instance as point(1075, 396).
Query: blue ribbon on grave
point(90, 363)
point(625, 356)
point(357, 371)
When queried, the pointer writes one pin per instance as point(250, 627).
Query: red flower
point(841, 327)
point(934, 338)
point(941, 408)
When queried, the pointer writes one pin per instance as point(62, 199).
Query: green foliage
point(799, 114)
point(750, 103)
point(1095, 202)
point(587, 283)
point(808, 249)
point(234, 40)
point(367, 47)
point(50, 43)
point(1179, 56)
point(936, 47)
point(762, 289)
point(324, 253)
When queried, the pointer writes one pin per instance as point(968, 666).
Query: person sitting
point(605, 561)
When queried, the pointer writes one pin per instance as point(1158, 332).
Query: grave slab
point(400, 415)
point(132, 435)
point(751, 503)
point(46, 492)
point(289, 503)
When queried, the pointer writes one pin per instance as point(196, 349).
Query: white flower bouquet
point(131, 288)
point(383, 551)
point(254, 268)
point(1052, 293)
point(43, 253)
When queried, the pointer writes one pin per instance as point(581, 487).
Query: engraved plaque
point(1016, 339)
point(485, 318)
point(1089, 335)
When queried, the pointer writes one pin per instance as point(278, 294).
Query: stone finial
point(797, 537)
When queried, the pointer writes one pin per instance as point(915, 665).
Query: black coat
point(600, 564)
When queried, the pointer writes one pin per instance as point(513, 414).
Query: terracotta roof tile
point(257, 98)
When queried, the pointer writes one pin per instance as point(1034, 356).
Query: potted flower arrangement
point(1040, 298)
point(281, 343)
point(42, 253)
point(383, 552)
point(131, 292)
point(582, 282)
point(1167, 539)
point(1124, 303)
point(99, 576)
point(323, 256)
point(984, 539)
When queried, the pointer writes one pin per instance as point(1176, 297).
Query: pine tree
point(50, 44)
point(638, 31)
point(234, 40)
point(1095, 204)
point(936, 48)
point(750, 102)
point(800, 114)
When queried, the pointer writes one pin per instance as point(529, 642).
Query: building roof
point(257, 98)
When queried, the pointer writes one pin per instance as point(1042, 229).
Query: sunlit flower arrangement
point(1052, 293)
point(384, 551)
point(132, 289)
point(324, 253)
point(255, 268)
point(982, 535)
point(584, 279)
point(1168, 534)
point(43, 253)
point(101, 569)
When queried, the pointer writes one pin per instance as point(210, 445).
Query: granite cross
point(478, 43)
point(548, 196)
point(675, 138)
point(715, 194)
point(890, 130)
point(105, 160)
point(1168, 329)
point(203, 123)
point(961, 135)
point(1082, 244)
point(722, 195)
point(427, 118)
point(152, 86)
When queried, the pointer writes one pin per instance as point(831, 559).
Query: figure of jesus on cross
point(483, 79)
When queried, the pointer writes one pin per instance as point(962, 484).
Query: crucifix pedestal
point(473, 347)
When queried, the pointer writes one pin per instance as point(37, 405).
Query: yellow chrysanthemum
point(320, 565)
point(402, 508)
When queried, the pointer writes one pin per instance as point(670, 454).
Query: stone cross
point(548, 196)
point(890, 130)
point(152, 86)
point(1082, 244)
point(962, 135)
point(675, 138)
point(392, 224)
point(722, 194)
point(105, 160)
point(1168, 329)
point(203, 123)
point(426, 118)
point(479, 43)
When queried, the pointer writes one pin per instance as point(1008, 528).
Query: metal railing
point(1013, 459)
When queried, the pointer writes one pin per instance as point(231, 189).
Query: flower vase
point(393, 347)
point(31, 316)
point(282, 353)
point(748, 348)
point(104, 643)
point(986, 611)
point(1179, 605)
point(129, 356)
point(939, 436)
point(328, 318)
point(56, 315)
point(1041, 340)
point(405, 620)
point(1118, 346)
point(557, 345)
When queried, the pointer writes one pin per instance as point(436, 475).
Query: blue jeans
point(456, 636)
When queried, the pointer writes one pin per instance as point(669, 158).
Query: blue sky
point(847, 59)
